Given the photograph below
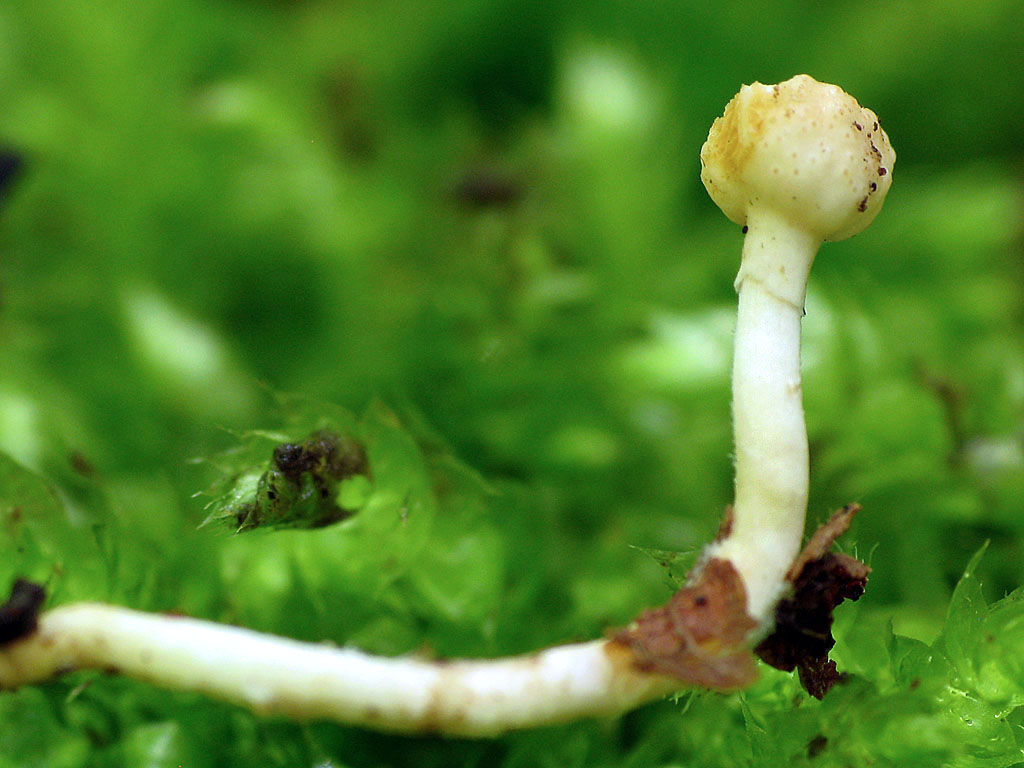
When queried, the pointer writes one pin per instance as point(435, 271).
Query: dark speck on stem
point(19, 614)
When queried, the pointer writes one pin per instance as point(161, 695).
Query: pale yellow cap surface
point(806, 151)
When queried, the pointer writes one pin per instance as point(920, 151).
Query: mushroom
point(794, 164)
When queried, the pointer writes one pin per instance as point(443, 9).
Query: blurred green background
point(478, 228)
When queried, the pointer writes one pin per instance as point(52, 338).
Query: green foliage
point(47, 540)
point(301, 485)
point(478, 227)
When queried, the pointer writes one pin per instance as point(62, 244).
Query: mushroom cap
point(803, 149)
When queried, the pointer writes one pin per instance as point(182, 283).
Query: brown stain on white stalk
point(700, 636)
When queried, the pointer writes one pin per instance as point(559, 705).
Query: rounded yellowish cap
point(802, 150)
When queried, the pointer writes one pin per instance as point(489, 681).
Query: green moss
point(487, 216)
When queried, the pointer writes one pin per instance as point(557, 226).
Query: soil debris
point(821, 580)
point(702, 635)
point(19, 615)
point(299, 490)
point(699, 635)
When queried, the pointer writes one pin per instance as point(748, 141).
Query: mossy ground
point(478, 229)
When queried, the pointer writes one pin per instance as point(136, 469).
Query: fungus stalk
point(770, 439)
point(795, 164)
point(306, 681)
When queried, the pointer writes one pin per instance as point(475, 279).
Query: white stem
point(273, 675)
point(767, 408)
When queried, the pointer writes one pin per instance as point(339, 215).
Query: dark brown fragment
point(19, 615)
point(817, 676)
point(322, 454)
point(699, 636)
point(821, 540)
point(488, 188)
point(803, 622)
point(293, 459)
point(816, 746)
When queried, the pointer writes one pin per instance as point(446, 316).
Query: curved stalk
point(304, 681)
point(771, 454)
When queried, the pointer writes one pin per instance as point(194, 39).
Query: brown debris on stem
point(821, 580)
point(702, 635)
point(699, 636)
point(19, 615)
